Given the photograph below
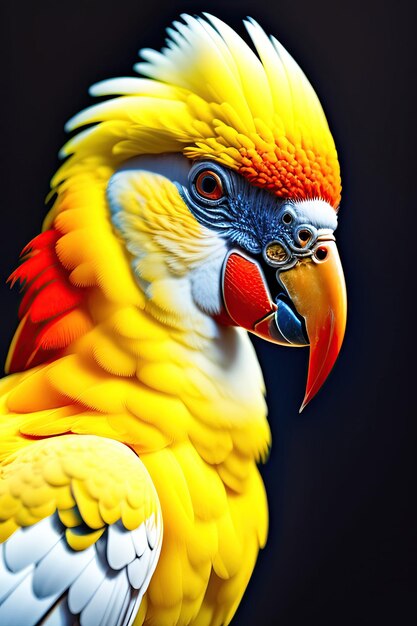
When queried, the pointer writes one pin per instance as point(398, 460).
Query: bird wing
point(81, 528)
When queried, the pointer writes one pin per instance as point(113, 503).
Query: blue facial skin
point(247, 216)
point(250, 217)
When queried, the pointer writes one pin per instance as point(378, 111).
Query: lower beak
point(314, 314)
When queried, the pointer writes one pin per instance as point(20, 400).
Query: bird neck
point(129, 371)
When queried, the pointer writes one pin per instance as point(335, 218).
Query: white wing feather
point(43, 581)
point(32, 543)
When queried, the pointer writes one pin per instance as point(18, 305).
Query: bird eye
point(208, 185)
point(287, 218)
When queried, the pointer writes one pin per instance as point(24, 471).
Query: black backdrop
point(341, 476)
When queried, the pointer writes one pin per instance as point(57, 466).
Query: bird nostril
point(287, 218)
point(276, 253)
point(321, 253)
point(304, 235)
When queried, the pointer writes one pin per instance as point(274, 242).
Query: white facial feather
point(205, 280)
point(317, 212)
point(177, 262)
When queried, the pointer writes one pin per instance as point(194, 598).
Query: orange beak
point(317, 290)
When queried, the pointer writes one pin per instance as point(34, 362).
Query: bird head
point(222, 183)
point(268, 265)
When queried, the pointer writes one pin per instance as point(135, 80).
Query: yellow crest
point(208, 95)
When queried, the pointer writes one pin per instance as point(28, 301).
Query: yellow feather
point(81, 541)
point(154, 371)
point(208, 81)
point(70, 517)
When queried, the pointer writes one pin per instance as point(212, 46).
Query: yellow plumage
point(149, 375)
point(149, 368)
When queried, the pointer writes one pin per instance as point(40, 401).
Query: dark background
point(341, 476)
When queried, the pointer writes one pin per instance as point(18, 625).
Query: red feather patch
point(51, 310)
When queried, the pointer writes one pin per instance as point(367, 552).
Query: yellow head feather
point(209, 96)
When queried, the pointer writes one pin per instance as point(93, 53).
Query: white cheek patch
point(205, 281)
point(179, 273)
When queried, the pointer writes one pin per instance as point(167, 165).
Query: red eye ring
point(209, 185)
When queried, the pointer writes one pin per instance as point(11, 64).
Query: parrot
point(196, 203)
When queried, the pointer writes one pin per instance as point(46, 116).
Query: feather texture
point(49, 321)
point(61, 586)
point(116, 328)
point(55, 574)
point(212, 97)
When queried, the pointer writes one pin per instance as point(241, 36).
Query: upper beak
point(316, 288)
point(318, 292)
